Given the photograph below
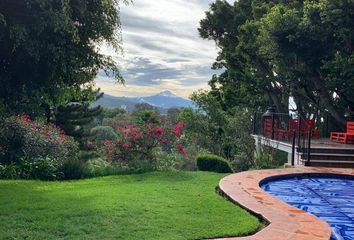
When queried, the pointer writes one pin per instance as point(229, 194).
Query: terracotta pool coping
point(285, 222)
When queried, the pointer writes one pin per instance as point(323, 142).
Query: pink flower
point(126, 145)
point(158, 131)
point(178, 133)
point(178, 128)
point(130, 127)
point(136, 135)
point(106, 142)
point(89, 143)
point(164, 142)
point(150, 125)
point(181, 149)
point(24, 118)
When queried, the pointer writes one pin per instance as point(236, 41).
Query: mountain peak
point(167, 93)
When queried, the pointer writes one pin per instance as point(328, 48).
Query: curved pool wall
point(329, 197)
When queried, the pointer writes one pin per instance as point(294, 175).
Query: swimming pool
point(330, 198)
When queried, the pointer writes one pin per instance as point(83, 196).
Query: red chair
point(314, 132)
point(344, 137)
point(267, 128)
point(304, 128)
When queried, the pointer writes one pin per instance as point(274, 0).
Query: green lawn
point(174, 205)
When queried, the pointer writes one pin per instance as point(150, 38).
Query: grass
point(170, 205)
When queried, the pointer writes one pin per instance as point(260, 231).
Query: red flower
point(178, 128)
point(181, 149)
point(130, 127)
point(164, 142)
point(24, 118)
point(106, 142)
point(136, 135)
point(178, 133)
point(126, 145)
point(158, 131)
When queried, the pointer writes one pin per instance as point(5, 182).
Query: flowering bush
point(23, 138)
point(136, 145)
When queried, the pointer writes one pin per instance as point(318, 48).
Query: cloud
point(162, 49)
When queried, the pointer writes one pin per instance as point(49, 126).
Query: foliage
point(136, 146)
point(159, 206)
point(73, 169)
point(221, 132)
point(34, 150)
point(49, 51)
point(41, 168)
point(213, 163)
point(268, 158)
point(10, 171)
point(272, 50)
point(98, 167)
point(101, 133)
point(21, 137)
point(74, 119)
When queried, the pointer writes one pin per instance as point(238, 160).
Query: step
point(334, 164)
point(330, 156)
point(331, 150)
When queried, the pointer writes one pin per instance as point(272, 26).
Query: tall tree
point(75, 117)
point(49, 50)
point(249, 79)
point(275, 49)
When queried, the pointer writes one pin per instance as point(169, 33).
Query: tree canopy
point(272, 50)
point(49, 51)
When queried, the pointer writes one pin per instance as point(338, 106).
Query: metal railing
point(287, 128)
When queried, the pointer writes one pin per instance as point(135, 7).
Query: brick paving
point(285, 222)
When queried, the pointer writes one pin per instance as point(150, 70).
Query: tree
point(248, 80)
point(74, 118)
point(310, 44)
point(271, 50)
point(49, 51)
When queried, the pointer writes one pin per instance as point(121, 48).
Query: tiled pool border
point(285, 222)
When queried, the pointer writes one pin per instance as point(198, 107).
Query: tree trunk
point(327, 99)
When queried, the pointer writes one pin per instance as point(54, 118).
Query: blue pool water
point(330, 198)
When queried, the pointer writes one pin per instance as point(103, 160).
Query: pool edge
point(285, 222)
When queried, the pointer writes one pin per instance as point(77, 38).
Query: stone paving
point(285, 222)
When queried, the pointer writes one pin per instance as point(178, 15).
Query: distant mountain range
point(163, 100)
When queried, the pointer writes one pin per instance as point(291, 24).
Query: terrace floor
point(285, 222)
point(326, 143)
point(323, 152)
point(315, 143)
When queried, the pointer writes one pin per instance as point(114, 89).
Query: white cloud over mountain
point(162, 49)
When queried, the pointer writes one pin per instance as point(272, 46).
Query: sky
point(162, 49)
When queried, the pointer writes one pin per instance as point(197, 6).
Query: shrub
point(101, 133)
point(10, 171)
point(23, 138)
point(35, 150)
point(98, 167)
point(41, 168)
point(268, 158)
point(136, 147)
point(73, 169)
point(213, 163)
